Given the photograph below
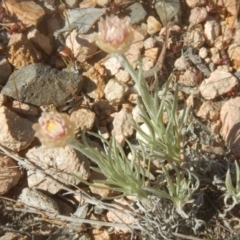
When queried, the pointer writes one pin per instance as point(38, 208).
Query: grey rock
point(137, 13)
point(169, 11)
point(36, 199)
point(39, 85)
point(80, 18)
point(237, 75)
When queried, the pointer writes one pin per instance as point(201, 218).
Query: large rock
point(28, 12)
point(230, 118)
point(39, 85)
point(217, 84)
point(9, 174)
point(137, 13)
point(16, 133)
point(36, 199)
point(21, 52)
point(61, 163)
point(169, 11)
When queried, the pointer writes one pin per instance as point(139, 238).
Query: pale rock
point(152, 53)
point(189, 78)
point(82, 46)
point(115, 91)
point(217, 84)
point(95, 84)
point(103, 3)
point(190, 101)
point(149, 43)
point(21, 52)
point(133, 97)
point(213, 150)
point(232, 21)
point(212, 30)
point(16, 132)
point(72, 3)
point(122, 127)
point(13, 236)
point(223, 41)
point(208, 60)
point(3, 99)
point(150, 58)
point(195, 3)
point(112, 65)
point(135, 50)
point(237, 36)
point(229, 5)
point(181, 64)
point(224, 68)
point(120, 216)
point(5, 70)
point(88, 4)
point(100, 69)
point(83, 119)
point(147, 63)
point(173, 29)
point(122, 76)
point(203, 53)
point(137, 115)
point(196, 38)
point(209, 111)
point(153, 25)
point(9, 174)
point(103, 131)
point(104, 193)
point(216, 126)
point(212, 66)
point(181, 96)
point(60, 163)
point(198, 15)
point(28, 12)
point(36, 199)
point(146, 130)
point(24, 109)
point(233, 53)
point(230, 118)
point(98, 232)
point(215, 57)
point(40, 40)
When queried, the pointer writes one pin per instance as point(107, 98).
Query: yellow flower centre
point(55, 129)
point(52, 126)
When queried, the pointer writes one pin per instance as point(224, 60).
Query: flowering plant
point(54, 129)
point(115, 35)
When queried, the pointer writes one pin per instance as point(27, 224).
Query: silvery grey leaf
point(80, 18)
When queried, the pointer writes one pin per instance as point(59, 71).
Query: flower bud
point(114, 35)
point(54, 129)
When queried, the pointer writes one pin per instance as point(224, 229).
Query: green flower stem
point(128, 67)
point(89, 152)
point(140, 83)
point(115, 167)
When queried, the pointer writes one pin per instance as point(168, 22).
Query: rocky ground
point(49, 62)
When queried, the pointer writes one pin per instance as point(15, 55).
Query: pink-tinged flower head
point(54, 129)
point(114, 35)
